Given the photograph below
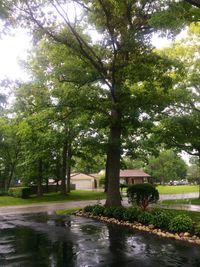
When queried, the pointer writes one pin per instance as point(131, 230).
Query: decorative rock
point(186, 234)
point(151, 226)
point(135, 225)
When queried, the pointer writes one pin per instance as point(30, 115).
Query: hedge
point(159, 218)
point(20, 192)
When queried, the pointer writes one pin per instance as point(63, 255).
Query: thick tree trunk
point(47, 185)
point(57, 186)
point(10, 176)
point(199, 174)
point(69, 156)
point(40, 178)
point(64, 168)
point(106, 174)
point(114, 153)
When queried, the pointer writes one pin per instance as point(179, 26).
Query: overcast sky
point(14, 48)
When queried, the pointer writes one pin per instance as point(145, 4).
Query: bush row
point(160, 218)
point(21, 192)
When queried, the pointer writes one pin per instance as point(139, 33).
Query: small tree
point(142, 195)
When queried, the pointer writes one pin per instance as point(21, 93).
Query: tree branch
point(195, 3)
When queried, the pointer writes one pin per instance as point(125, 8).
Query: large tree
point(120, 56)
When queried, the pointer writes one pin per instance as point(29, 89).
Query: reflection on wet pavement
point(42, 240)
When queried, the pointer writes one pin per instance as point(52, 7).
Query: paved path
point(51, 207)
point(179, 196)
point(182, 207)
point(46, 207)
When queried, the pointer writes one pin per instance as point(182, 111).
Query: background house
point(83, 181)
point(133, 176)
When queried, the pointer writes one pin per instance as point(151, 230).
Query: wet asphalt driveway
point(42, 240)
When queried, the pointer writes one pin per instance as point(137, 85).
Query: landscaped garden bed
point(161, 222)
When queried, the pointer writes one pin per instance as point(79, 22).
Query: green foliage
point(89, 208)
point(3, 193)
point(20, 192)
point(161, 218)
point(118, 213)
point(181, 129)
point(131, 214)
point(128, 163)
point(108, 212)
point(145, 217)
point(98, 210)
point(197, 229)
point(181, 223)
point(193, 170)
point(68, 73)
point(67, 211)
point(142, 195)
point(167, 166)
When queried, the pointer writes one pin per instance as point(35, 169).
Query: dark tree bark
point(114, 154)
point(63, 188)
point(69, 156)
point(106, 173)
point(199, 172)
point(10, 176)
point(40, 178)
point(47, 185)
point(57, 186)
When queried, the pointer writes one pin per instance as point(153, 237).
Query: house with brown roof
point(133, 176)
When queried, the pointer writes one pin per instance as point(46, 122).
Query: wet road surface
point(42, 240)
point(46, 207)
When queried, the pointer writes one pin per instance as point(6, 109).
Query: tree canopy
point(96, 75)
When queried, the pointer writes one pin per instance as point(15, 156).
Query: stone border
point(150, 228)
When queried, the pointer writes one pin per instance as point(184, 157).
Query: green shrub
point(161, 219)
point(181, 223)
point(142, 195)
point(89, 208)
point(108, 211)
point(20, 192)
point(118, 213)
point(145, 217)
point(3, 193)
point(98, 210)
point(131, 214)
point(197, 229)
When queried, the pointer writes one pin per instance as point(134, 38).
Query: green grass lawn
point(75, 195)
point(178, 189)
point(193, 201)
point(67, 211)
